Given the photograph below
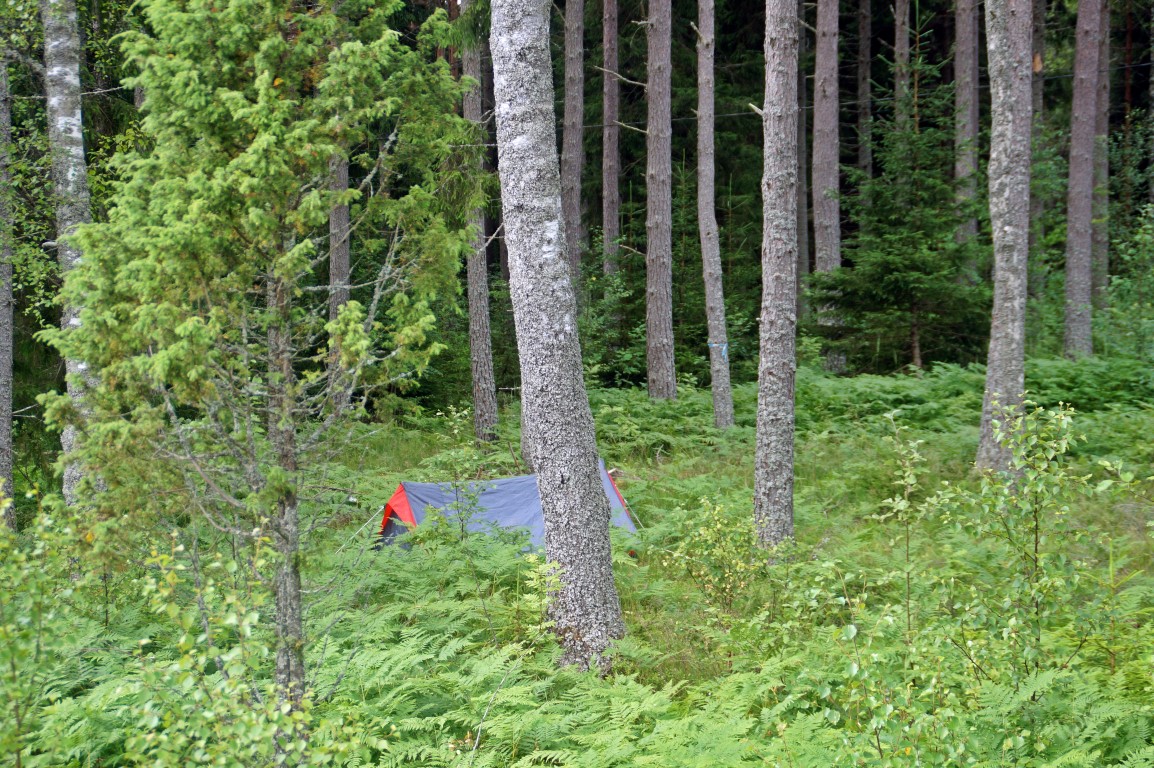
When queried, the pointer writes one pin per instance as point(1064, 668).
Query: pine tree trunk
point(966, 115)
point(659, 208)
point(7, 226)
point(69, 180)
point(773, 461)
point(610, 138)
point(901, 62)
point(281, 426)
point(557, 423)
point(1008, 38)
point(802, 164)
point(707, 223)
point(340, 232)
point(826, 146)
point(480, 335)
point(865, 155)
point(1038, 83)
point(572, 147)
point(1080, 189)
point(1100, 226)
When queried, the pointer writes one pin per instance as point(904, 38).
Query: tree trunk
point(802, 164)
point(707, 223)
point(773, 462)
point(480, 335)
point(865, 151)
point(610, 138)
point(1008, 37)
point(966, 116)
point(340, 232)
point(1080, 189)
point(659, 208)
point(7, 226)
point(69, 181)
point(1038, 83)
point(826, 169)
point(556, 420)
point(1100, 226)
point(572, 147)
point(901, 62)
point(281, 426)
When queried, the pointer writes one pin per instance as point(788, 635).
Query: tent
point(507, 503)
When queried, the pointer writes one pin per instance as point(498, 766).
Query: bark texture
point(6, 327)
point(610, 140)
point(1008, 37)
point(480, 334)
point(340, 232)
point(659, 207)
point(707, 223)
point(902, 61)
point(1080, 188)
point(1037, 95)
point(572, 147)
point(773, 461)
point(556, 420)
point(865, 156)
point(802, 164)
point(69, 180)
point(1100, 226)
point(826, 145)
point(966, 115)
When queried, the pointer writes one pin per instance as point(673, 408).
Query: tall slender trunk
point(966, 116)
point(1038, 87)
point(901, 62)
point(1100, 224)
point(340, 232)
point(6, 321)
point(826, 146)
point(1008, 38)
point(659, 208)
point(773, 460)
point(610, 139)
point(707, 223)
point(802, 164)
point(865, 150)
point(69, 181)
point(572, 146)
point(1080, 189)
point(480, 335)
point(281, 426)
point(556, 420)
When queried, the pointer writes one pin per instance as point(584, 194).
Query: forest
point(583, 383)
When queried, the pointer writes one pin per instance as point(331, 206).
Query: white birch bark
point(1008, 39)
point(69, 180)
point(659, 208)
point(707, 223)
point(572, 147)
point(557, 424)
point(773, 461)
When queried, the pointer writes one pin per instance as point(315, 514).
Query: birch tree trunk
point(966, 115)
point(826, 146)
point(773, 461)
point(707, 223)
point(610, 140)
point(901, 62)
point(1100, 226)
point(659, 209)
point(1038, 83)
point(1080, 189)
point(865, 156)
point(7, 226)
point(1008, 38)
point(556, 420)
point(572, 147)
point(340, 232)
point(480, 334)
point(802, 164)
point(69, 180)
